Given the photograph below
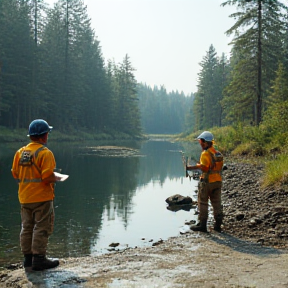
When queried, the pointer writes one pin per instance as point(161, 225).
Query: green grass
point(20, 135)
point(10, 135)
point(276, 171)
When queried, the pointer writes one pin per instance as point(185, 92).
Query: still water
point(107, 199)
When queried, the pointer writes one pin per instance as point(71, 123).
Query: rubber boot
point(40, 262)
point(217, 225)
point(200, 226)
point(27, 263)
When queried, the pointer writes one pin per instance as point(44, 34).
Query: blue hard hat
point(38, 127)
point(207, 136)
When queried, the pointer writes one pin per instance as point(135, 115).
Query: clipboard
point(61, 177)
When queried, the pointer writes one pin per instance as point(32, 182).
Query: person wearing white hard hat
point(210, 183)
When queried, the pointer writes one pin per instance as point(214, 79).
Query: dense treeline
point(163, 112)
point(251, 86)
point(51, 67)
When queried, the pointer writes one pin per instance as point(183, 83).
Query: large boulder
point(178, 199)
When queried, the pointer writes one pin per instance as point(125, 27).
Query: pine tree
point(238, 101)
point(15, 42)
point(275, 119)
point(258, 48)
point(207, 106)
point(75, 68)
point(163, 112)
point(129, 116)
point(222, 73)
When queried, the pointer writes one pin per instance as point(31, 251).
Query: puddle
point(51, 279)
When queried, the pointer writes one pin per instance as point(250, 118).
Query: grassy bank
point(18, 135)
point(252, 143)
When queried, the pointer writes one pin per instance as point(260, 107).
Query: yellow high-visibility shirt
point(32, 188)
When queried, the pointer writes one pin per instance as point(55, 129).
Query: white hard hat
point(207, 136)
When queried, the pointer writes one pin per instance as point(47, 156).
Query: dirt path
point(190, 260)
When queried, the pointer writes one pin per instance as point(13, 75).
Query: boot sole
point(196, 230)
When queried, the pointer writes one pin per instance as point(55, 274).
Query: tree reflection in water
point(105, 199)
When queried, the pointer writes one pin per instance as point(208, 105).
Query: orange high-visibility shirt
point(32, 188)
point(206, 161)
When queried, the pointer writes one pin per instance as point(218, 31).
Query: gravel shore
point(252, 213)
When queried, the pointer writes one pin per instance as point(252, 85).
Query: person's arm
point(198, 167)
point(51, 179)
point(193, 167)
point(14, 169)
point(203, 165)
point(47, 164)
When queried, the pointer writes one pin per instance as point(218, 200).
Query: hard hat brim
point(49, 130)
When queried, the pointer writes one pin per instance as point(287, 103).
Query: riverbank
point(252, 213)
point(19, 135)
point(250, 252)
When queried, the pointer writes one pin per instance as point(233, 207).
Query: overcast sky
point(165, 39)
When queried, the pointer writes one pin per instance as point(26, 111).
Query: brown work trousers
point(37, 226)
point(210, 191)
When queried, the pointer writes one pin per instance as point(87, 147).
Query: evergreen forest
point(51, 67)
point(250, 85)
point(163, 112)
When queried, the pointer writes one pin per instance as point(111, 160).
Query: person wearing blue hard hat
point(38, 127)
point(210, 184)
point(33, 168)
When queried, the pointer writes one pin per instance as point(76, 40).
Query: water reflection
point(105, 199)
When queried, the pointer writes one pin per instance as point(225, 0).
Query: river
point(108, 198)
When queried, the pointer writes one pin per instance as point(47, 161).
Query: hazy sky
point(165, 39)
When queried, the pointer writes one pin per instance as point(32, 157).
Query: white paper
point(62, 177)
